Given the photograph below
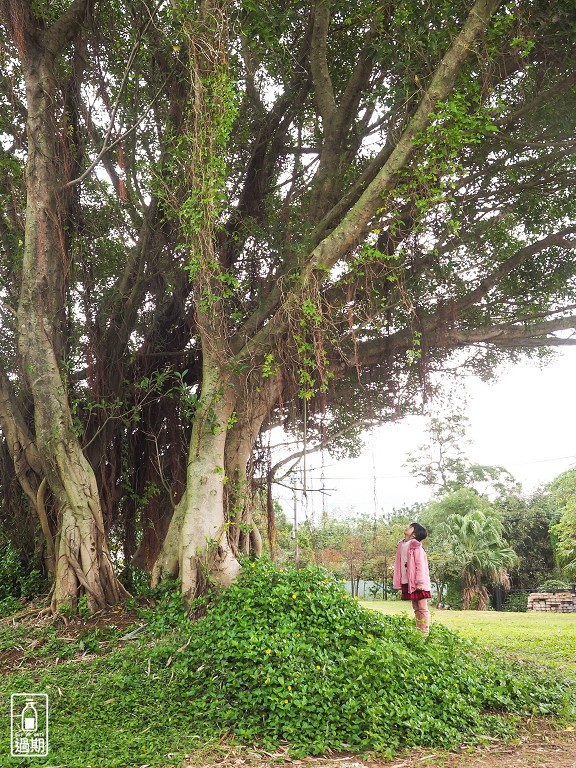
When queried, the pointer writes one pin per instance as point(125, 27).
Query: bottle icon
point(29, 717)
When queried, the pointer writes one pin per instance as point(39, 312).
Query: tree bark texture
point(83, 564)
point(196, 546)
point(256, 400)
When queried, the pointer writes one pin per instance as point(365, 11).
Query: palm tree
point(481, 556)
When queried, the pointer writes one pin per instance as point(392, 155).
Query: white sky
point(524, 421)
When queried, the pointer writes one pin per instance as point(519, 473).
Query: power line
point(358, 477)
point(398, 477)
point(541, 461)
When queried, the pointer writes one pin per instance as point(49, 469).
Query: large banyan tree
point(217, 216)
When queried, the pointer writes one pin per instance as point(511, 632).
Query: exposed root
point(23, 614)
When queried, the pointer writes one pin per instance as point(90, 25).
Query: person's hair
point(420, 533)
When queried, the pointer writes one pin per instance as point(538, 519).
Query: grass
point(545, 639)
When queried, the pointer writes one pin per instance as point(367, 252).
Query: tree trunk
point(196, 547)
point(254, 404)
point(83, 564)
point(270, 518)
point(439, 593)
point(157, 463)
point(483, 598)
point(27, 463)
point(470, 587)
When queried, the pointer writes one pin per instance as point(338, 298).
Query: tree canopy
point(218, 217)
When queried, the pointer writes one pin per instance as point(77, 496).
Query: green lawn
point(548, 639)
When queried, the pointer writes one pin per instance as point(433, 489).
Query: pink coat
point(417, 567)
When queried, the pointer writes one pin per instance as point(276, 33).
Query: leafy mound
point(287, 656)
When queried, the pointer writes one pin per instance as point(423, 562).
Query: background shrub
point(18, 580)
point(516, 602)
point(453, 596)
point(552, 585)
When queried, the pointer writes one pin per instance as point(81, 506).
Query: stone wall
point(557, 602)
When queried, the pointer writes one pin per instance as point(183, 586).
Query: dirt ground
point(543, 749)
point(24, 656)
point(540, 746)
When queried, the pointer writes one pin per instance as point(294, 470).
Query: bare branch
point(106, 144)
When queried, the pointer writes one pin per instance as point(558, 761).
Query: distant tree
point(442, 464)
point(527, 530)
point(381, 564)
point(360, 546)
point(330, 558)
point(562, 492)
point(468, 543)
point(345, 543)
point(282, 540)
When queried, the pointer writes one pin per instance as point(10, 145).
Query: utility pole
point(295, 529)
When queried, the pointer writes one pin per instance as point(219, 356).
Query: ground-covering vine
point(283, 657)
point(288, 656)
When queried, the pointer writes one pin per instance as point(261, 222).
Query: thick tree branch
point(323, 89)
point(505, 335)
point(108, 145)
point(264, 154)
point(352, 228)
point(19, 438)
point(131, 287)
point(433, 325)
point(17, 17)
point(358, 81)
point(65, 29)
point(518, 334)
